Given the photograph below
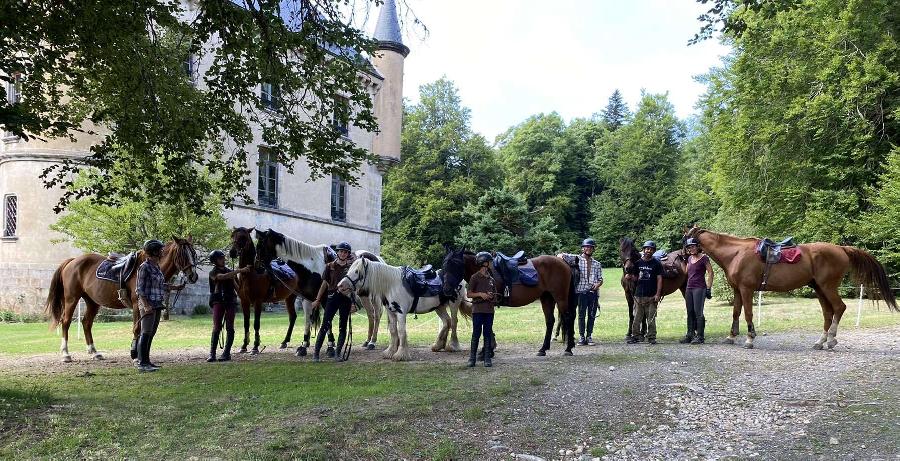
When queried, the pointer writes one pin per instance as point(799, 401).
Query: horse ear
point(190, 239)
point(251, 229)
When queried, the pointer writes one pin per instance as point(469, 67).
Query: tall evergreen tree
point(616, 112)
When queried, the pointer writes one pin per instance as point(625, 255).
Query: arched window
point(10, 215)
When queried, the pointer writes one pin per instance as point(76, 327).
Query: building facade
point(321, 211)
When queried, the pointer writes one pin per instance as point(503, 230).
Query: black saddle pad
point(118, 269)
point(421, 283)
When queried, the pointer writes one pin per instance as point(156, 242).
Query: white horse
point(312, 260)
point(384, 282)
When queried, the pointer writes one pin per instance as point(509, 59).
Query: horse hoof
point(67, 359)
point(301, 352)
point(365, 345)
point(568, 353)
point(283, 346)
point(831, 344)
point(748, 345)
point(541, 353)
point(728, 341)
point(243, 350)
point(818, 346)
point(370, 347)
point(254, 352)
point(98, 356)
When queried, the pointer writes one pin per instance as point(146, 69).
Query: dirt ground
point(614, 401)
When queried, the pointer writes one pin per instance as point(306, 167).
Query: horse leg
point(245, 308)
point(629, 298)
point(307, 320)
point(441, 340)
point(68, 311)
point(402, 354)
point(454, 323)
point(136, 330)
point(392, 329)
point(747, 301)
point(736, 304)
point(827, 313)
point(837, 307)
point(87, 323)
point(292, 317)
point(547, 305)
point(257, 312)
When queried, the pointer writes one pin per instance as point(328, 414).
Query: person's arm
point(599, 282)
point(709, 278)
point(322, 289)
point(477, 285)
point(659, 282)
point(230, 275)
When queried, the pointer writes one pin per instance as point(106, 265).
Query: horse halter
point(362, 277)
point(184, 249)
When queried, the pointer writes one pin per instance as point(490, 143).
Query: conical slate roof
point(387, 30)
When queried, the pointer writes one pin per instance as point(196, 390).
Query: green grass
point(515, 325)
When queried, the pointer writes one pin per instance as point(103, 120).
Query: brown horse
point(628, 254)
point(76, 279)
point(822, 267)
point(555, 286)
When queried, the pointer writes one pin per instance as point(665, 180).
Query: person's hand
point(709, 293)
point(244, 269)
point(316, 304)
point(656, 298)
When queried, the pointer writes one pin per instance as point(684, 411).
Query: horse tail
point(316, 317)
point(54, 305)
point(870, 273)
point(465, 308)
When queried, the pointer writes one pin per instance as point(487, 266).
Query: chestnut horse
point(555, 286)
point(308, 261)
point(628, 254)
point(822, 267)
point(76, 278)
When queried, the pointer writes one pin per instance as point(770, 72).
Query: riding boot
point(488, 352)
point(213, 342)
point(473, 352)
point(229, 339)
point(701, 326)
point(143, 351)
point(147, 353)
point(491, 345)
point(320, 338)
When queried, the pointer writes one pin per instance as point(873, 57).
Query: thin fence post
point(80, 303)
point(759, 307)
point(859, 305)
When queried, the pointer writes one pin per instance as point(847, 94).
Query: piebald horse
point(309, 261)
point(76, 279)
point(384, 282)
point(822, 267)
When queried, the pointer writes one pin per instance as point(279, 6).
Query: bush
point(7, 316)
point(201, 309)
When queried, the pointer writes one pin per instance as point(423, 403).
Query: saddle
point(282, 270)
point(774, 253)
point(421, 283)
point(117, 268)
point(514, 269)
point(572, 261)
point(671, 269)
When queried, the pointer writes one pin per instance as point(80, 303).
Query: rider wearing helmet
point(150, 290)
point(699, 283)
point(484, 294)
point(336, 302)
point(223, 300)
point(647, 293)
point(587, 289)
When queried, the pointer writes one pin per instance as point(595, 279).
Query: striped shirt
point(588, 278)
point(151, 283)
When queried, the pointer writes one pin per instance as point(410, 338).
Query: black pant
point(587, 307)
point(695, 298)
point(337, 303)
point(482, 323)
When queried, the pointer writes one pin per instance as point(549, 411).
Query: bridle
point(361, 278)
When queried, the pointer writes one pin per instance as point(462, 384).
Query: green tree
point(120, 66)
point(444, 166)
point(880, 225)
point(500, 220)
point(616, 112)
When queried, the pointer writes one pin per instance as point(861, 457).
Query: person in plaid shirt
point(588, 284)
point(151, 289)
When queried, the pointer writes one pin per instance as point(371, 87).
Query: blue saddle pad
point(111, 270)
point(282, 270)
point(528, 275)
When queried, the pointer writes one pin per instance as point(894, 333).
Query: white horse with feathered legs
point(384, 282)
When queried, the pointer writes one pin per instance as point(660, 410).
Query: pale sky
point(512, 59)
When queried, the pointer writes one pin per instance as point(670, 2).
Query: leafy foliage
point(616, 112)
point(121, 67)
point(500, 220)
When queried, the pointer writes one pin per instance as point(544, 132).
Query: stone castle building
point(321, 211)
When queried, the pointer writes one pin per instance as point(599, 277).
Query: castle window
point(10, 215)
point(341, 105)
point(338, 198)
point(267, 186)
point(270, 95)
point(13, 96)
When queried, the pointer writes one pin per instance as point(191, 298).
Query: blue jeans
point(587, 307)
point(482, 323)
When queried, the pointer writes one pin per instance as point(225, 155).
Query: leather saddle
point(514, 269)
point(117, 268)
point(669, 264)
point(421, 283)
point(770, 252)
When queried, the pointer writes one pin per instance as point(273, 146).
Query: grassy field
point(281, 407)
point(518, 325)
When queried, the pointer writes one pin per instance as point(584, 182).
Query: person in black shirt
point(647, 293)
point(223, 300)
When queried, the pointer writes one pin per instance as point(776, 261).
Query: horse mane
point(311, 256)
point(727, 236)
point(381, 277)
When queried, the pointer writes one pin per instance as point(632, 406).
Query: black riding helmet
point(691, 241)
point(343, 246)
point(482, 257)
point(215, 255)
point(588, 242)
point(153, 247)
point(649, 244)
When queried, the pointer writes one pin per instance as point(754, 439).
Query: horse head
point(184, 256)
point(242, 246)
point(453, 269)
point(628, 254)
point(356, 279)
point(267, 245)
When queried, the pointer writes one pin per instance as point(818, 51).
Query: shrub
point(201, 309)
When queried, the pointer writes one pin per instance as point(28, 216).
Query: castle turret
point(389, 100)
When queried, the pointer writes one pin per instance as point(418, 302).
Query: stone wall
point(24, 286)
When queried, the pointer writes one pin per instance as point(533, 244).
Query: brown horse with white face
point(76, 279)
point(628, 255)
point(555, 288)
point(822, 267)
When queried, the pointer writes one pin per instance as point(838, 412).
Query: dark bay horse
point(256, 287)
point(822, 267)
point(76, 279)
point(628, 254)
point(309, 261)
point(555, 287)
